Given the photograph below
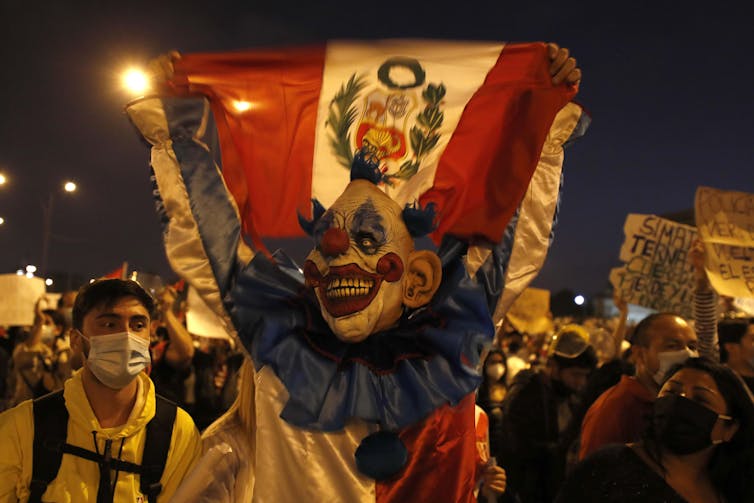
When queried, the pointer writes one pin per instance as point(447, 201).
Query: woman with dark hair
point(697, 448)
point(490, 396)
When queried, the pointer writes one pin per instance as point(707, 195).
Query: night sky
point(670, 91)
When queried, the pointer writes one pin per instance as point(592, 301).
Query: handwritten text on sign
point(726, 225)
point(657, 273)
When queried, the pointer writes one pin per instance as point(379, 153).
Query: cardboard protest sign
point(745, 305)
point(530, 313)
point(657, 273)
point(201, 320)
point(18, 295)
point(725, 220)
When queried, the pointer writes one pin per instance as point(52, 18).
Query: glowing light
point(135, 81)
point(20, 272)
point(2, 220)
point(70, 187)
point(91, 280)
point(2, 179)
point(241, 106)
point(29, 274)
point(31, 268)
point(48, 282)
point(579, 300)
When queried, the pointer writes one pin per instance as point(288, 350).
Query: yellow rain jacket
point(78, 478)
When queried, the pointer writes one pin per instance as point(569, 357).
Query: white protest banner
point(725, 220)
point(18, 295)
point(657, 273)
point(201, 320)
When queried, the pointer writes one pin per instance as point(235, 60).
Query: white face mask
point(495, 371)
point(669, 359)
point(115, 359)
point(48, 333)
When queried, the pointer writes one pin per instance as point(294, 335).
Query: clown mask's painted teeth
point(343, 292)
point(350, 283)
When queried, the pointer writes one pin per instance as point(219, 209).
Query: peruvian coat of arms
point(398, 123)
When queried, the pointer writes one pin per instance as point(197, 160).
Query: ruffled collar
point(393, 378)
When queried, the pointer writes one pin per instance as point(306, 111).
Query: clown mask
point(364, 268)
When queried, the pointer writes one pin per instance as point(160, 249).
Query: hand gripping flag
point(477, 128)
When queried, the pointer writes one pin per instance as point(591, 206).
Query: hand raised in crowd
point(697, 256)
point(167, 299)
point(39, 315)
point(495, 481)
point(562, 65)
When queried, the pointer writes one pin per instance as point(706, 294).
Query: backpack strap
point(156, 447)
point(50, 431)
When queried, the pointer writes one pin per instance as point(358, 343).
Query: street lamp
point(135, 81)
point(69, 187)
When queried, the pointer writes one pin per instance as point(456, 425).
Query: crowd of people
point(666, 415)
point(107, 394)
point(661, 410)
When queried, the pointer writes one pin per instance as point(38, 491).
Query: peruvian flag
point(459, 124)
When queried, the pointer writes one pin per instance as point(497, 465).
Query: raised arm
point(180, 351)
point(201, 228)
point(506, 268)
point(705, 306)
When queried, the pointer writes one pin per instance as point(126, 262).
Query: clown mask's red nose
point(334, 242)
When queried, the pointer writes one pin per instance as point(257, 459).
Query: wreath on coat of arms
point(381, 132)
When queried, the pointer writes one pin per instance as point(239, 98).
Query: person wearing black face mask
point(697, 447)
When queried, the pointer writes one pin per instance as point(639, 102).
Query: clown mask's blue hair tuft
point(366, 166)
point(308, 225)
point(420, 221)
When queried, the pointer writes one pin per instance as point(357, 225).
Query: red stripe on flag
point(486, 167)
point(442, 460)
point(267, 151)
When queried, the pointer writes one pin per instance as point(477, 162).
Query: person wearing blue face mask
point(106, 437)
point(696, 448)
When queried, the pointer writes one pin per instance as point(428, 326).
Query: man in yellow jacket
point(109, 404)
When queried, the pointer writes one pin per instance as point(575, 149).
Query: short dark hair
point(640, 337)
point(586, 360)
point(731, 330)
point(57, 318)
point(106, 292)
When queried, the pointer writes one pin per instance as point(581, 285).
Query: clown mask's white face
point(364, 268)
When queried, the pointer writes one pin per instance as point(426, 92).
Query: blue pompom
point(381, 455)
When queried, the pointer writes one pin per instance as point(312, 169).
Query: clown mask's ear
point(423, 276)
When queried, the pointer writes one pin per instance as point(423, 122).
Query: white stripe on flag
point(536, 212)
point(183, 245)
point(460, 66)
